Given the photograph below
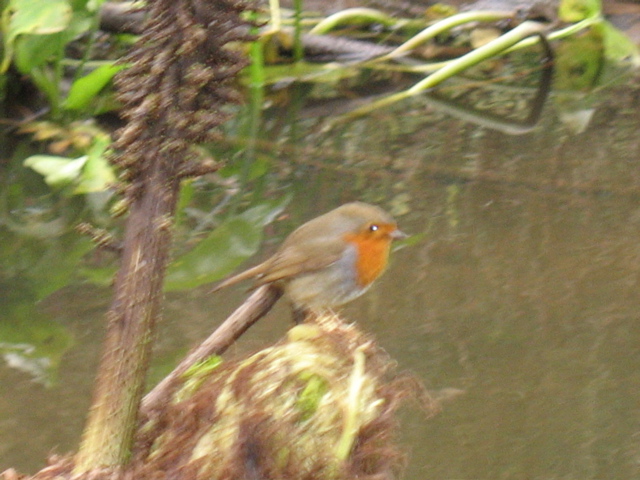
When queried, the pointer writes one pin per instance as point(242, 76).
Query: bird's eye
point(373, 228)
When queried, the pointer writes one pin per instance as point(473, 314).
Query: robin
point(329, 260)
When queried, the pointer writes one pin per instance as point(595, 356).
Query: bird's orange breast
point(373, 254)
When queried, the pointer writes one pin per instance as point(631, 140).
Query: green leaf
point(97, 175)
point(226, 247)
point(36, 17)
point(617, 46)
point(203, 367)
point(33, 51)
point(85, 89)
point(195, 376)
point(217, 255)
point(577, 10)
point(89, 173)
point(259, 167)
point(90, 5)
point(40, 57)
point(58, 172)
point(265, 213)
point(311, 395)
point(579, 62)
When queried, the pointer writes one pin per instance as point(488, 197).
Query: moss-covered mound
point(317, 405)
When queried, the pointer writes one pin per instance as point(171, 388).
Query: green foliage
point(33, 17)
point(578, 10)
point(39, 254)
point(195, 375)
point(97, 174)
point(618, 47)
point(86, 88)
point(224, 249)
point(36, 34)
point(36, 239)
point(29, 273)
point(412, 34)
point(579, 62)
point(586, 59)
point(57, 171)
point(203, 368)
point(311, 395)
point(593, 58)
point(86, 174)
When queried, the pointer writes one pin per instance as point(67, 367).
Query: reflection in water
point(519, 306)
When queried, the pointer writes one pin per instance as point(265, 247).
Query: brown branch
point(124, 18)
point(100, 237)
point(121, 18)
point(254, 308)
point(180, 77)
point(199, 168)
point(131, 324)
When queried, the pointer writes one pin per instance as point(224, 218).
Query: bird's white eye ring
point(373, 228)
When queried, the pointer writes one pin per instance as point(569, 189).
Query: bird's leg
point(299, 313)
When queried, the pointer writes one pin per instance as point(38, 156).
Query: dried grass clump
point(317, 405)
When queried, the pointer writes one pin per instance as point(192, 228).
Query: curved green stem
point(444, 25)
point(559, 34)
point(527, 42)
point(493, 48)
point(350, 15)
point(474, 57)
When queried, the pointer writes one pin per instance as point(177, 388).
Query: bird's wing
point(295, 259)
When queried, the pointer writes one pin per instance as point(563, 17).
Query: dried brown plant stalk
point(174, 92)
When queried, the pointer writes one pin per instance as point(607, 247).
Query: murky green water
point(518, 307)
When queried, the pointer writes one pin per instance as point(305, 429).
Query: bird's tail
point(247, 274)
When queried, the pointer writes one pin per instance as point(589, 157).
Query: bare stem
point(254, 308)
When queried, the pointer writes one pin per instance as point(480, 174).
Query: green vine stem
point(443, 26)
point(351, 16)
point(491, 49)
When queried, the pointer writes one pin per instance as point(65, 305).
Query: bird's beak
point(398, 235)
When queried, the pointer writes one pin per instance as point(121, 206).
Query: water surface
point(517, 308)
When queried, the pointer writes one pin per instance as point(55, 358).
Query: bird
point(329, 260)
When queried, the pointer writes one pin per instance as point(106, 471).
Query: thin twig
point(254, 308)
point(102, 238)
